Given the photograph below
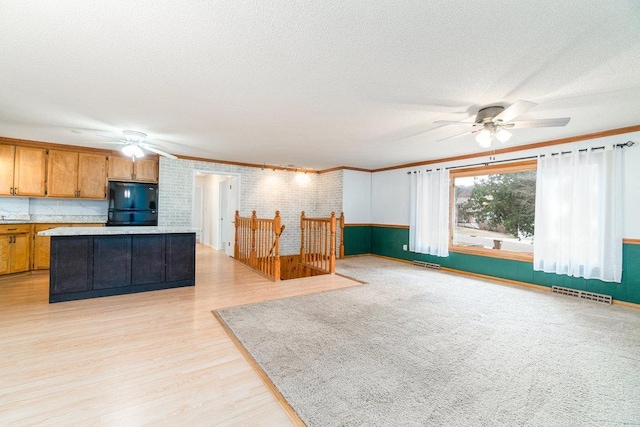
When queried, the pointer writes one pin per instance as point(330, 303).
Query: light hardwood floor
point(154, 358)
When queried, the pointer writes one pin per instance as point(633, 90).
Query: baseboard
point(393, 259)
point(497, 279)
point(356, 256)
point(626, 304)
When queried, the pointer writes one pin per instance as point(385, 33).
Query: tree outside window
point(495, 210)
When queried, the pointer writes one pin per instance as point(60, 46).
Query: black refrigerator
point(132, 203)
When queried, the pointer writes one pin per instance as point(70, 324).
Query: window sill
point(493, 253)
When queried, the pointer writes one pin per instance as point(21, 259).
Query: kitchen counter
point(111, 231)
point(53, 219)
point(90, 262)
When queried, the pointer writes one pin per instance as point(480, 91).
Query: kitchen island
point(89, 262)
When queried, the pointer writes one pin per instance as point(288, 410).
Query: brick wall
point(264, 191)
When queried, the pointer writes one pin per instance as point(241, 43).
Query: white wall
point(390, 197)
point(390, 189)
point(356, 197)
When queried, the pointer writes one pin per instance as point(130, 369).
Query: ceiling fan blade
point(560, 121)
point(113, 141)
point(451, 122)
point(155, 150)
point(456, 135)
point(516, 109)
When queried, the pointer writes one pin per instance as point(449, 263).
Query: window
point(493, 210)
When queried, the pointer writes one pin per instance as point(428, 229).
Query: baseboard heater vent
point(582, 294)
point(427, 265)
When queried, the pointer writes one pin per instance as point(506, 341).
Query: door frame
point(219, 173)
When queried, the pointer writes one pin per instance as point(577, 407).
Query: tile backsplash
point(54, 210)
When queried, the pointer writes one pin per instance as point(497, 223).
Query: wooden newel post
point(342, 235)
point(332, 253)
point(253, 257)
point(236, 247)
point(278, 230)
point(302, 258)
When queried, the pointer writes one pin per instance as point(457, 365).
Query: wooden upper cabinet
point(146, 170)
point(78, 175)
point(7, 155)
point(120, 168)
point(22, 171)
point(62, 174)
point(29, 172)
point(92, 176)
point(123, 168)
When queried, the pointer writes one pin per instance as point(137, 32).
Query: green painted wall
point(357, 240)
point(388, 242)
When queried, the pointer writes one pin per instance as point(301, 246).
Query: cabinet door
point(147, 259)
point(62, 174)
point(71, 264)
point(146, 170)
point(181, 257)
point(20, 253)
point(29, 173)
point(41, 246)
point(7, 154)
point(5, 253)
point(111, 262)
point(120, 168)
point(92, 176)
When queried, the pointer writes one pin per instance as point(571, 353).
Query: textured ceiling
point(316, 84)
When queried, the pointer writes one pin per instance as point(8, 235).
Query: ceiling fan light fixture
point(484, 138)
point(503, 135)
point(132, 150)
point(134, 136)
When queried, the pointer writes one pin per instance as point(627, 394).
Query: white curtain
point(578, 223)
point(429, 217)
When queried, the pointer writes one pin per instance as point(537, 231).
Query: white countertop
point(108, 231)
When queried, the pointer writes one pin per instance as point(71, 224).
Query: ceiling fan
point(134, 145)
point(493, 121)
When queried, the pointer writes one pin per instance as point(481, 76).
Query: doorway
point(215, 200)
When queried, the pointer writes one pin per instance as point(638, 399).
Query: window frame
point(521, 166)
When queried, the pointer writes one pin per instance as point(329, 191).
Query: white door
point(228, 206)
point(196, 219)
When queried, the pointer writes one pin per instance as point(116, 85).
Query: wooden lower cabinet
point(181, 256)
point(14, 248)
point(111, 262)
point(96, 266)
point(148, 259)
point(72, 267)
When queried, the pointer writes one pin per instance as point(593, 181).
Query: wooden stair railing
point(257, 243)
point(318, 242)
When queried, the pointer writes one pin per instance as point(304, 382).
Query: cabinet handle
point(15, 191)
point(11, 191)
point(78, 193)
point(11, 229)
point(14, 239)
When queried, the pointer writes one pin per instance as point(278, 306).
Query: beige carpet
point(420, 347)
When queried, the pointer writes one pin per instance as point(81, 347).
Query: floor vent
point(427, 265)
point(591, 296)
